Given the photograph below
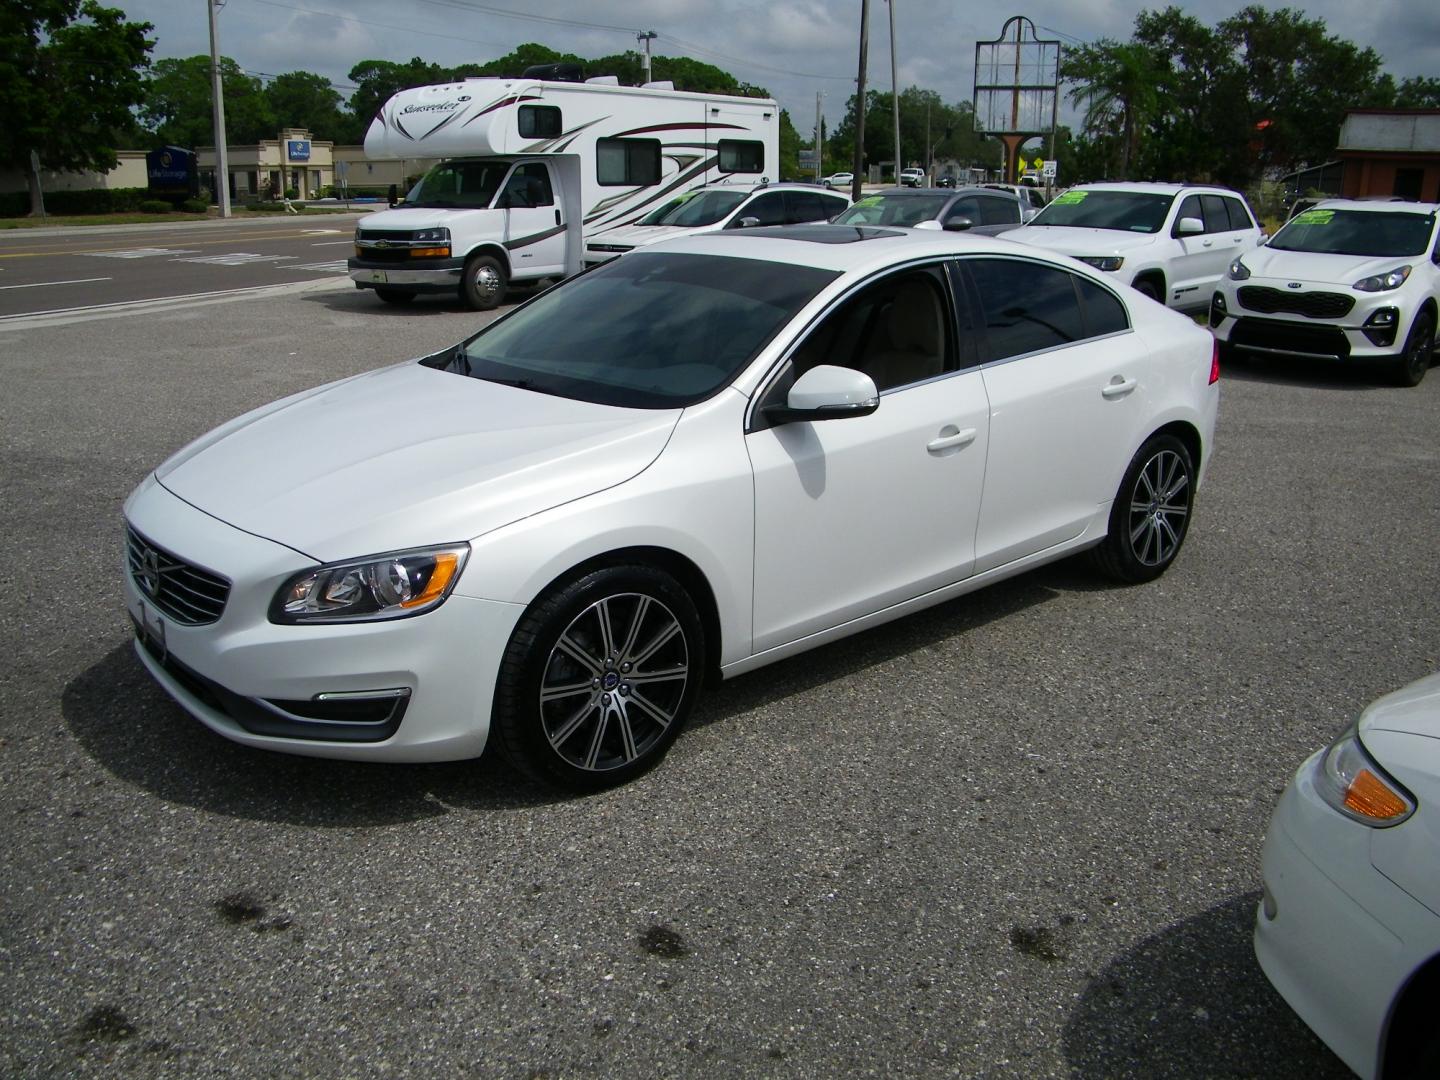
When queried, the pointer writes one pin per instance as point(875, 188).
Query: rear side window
point(802, 206)
point(539, 122)
point(1104, 314)
point(1217, 217)
point(1025, 307)
point(1239, 216)
point(741, 156)
point(998, 211)
point(767, 209)
point(627, 162)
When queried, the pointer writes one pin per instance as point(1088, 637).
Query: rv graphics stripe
point(677, 127)
point(506, 100)
point(567, 136)
point(610, 206)
point(534, 238)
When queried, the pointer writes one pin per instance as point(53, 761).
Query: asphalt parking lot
point(1016, 835)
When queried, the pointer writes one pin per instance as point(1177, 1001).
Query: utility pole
point(859, 157)
point(894, 95)
point(929, 153)
point(222, 158)
point(819, 137)
point(644, 38)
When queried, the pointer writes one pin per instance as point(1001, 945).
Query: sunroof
point(817, 234)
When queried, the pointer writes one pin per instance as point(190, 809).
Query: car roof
point(951, 193)
point(1154, 188)
point(750, 186)
point(1381, 206)
point(844, 248)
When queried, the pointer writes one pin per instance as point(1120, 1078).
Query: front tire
point(1151, 513)
point(1412, 364)
point(599, 677)
point(1153, 289)
point(482, 286)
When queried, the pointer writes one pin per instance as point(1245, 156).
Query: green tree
point(1420, 92)
point(377, 81)
point(304, 99)
point(1119, 86)
point(179, 107)
point(70, 72)
point(512, 65)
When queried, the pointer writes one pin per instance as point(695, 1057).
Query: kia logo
point(1294, 285)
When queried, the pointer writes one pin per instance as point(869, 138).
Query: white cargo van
point(533, 165)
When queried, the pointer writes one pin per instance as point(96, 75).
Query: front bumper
point(416, 275)
point(1286, 333)
point(1332, 947)
point(416, 689)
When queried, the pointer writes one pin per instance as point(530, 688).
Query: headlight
point(1349, 779)
point(1103, 262)
point(1383, 282)
point(391, 586)
point(432, 236)
point(1238, 270)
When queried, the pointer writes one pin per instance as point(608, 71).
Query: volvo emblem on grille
point(148, 572)
point(1294, 285)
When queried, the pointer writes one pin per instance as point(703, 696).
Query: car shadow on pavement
point(1192, 1001)
point(132, 728)
point(365, 302)
point(1314, 374)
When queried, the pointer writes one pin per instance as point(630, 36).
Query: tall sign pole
point(859, 158)
point(819, 138)
point(894, 95)
point(222, 158)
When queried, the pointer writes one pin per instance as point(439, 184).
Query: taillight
point(1215, 362)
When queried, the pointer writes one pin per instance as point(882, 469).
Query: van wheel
point(599, 677)
point(483, 285)
point(1151, 513)
point(395, 296)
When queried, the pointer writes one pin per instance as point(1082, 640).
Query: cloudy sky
point(794, 48)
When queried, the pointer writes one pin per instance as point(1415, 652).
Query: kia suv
point(1171, 242)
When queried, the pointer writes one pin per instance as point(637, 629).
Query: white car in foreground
point(1348, 928)
point(1343, 280)
point(694, 460)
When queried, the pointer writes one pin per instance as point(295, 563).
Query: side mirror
point(394, 194)
point(1189, 226)
point(827, 392)
point(746, 223)
point(958, 224)
point(929, 226)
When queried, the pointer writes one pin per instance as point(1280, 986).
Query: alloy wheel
point(1159, 508)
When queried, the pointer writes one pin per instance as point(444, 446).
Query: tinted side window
point(622, 162)
point(1190, 208)
point(529, 185)
point(1104, 314)
point(1217, 218)
point(999, 211)
point(1239, 216)
point(539, 122)
point(833, 205)
point(1025, 307)
point(769, 209)
point(742, 157)
point(803, 206)
point(967, 206)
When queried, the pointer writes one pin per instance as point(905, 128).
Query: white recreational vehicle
point(535, 164)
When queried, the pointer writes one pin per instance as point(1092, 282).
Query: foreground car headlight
point(1383, 282)
point(1349, 779)
point(390, 586)
point(1103, 262)
point(1238, 270)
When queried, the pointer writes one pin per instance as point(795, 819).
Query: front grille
point(1296, 339)
point(187, 594)
point(395, 237)
point(1312, 305)
point(385, 255)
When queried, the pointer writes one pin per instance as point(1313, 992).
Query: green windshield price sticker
point(1314, 217)
point(872, 200)
point(1070, 198)
point(686, 197)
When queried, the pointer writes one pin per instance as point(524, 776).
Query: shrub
point(292, 193)
point(195, 206)
point(155, 206)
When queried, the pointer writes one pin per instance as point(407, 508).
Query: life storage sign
point(297, 149)
point(172, 171)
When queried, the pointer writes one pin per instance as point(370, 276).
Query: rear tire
point(1412, 364)
point(482, 286)
point(599, 677)
point(399, 297)
point(1151, 513)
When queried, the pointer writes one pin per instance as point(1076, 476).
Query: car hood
point(1070, 240)
point(1322, 269)
point(408, 218)
point(640, 235)
point(406, 456)
point(1413, 710)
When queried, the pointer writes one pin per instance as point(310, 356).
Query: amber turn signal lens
point(1369, 796)
point(430, 253)
point(445, 566)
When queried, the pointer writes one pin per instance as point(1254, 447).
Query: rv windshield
point(696, 208)
point(459, 184)
point(648, 330)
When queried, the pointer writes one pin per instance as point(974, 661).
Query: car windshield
point(1355, 232)
point(459, 184)
point(894, 209)
point(695, 208)
point(649, 331)
point(1125, 211)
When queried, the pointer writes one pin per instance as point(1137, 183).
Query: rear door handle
point(1118, 387)
point(950, 442)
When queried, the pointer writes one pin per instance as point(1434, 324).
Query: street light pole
point(645, 37)
point(859, 156)
point(222, 160)
point(894, 94)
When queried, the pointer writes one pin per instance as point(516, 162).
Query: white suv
point(1172, 242)
point(1342, 280)
point(715, 207)
point(912, 177)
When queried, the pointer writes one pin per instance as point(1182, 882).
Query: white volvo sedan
point(1349, 924)
point(703, 457)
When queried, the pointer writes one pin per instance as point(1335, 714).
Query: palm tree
point(1119, 86)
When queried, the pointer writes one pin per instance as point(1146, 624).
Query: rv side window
point(737, 156)
point(627, 162)
point(539, 122)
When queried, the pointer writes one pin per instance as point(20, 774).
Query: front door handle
point(951, 441)
point(1118, 387)
point(557, 217)
point(1207, 243)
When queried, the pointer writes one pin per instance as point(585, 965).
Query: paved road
point(64, 269)
point(1016, 835)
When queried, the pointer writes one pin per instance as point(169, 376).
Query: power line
point(383, 26)
point(751, 63)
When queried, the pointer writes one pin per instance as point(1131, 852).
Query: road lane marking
point(236, 258)
point(339, 266)
point(72, 281)
point(123, 307)
point(230, 239)
point(332, 243)
point(138, 253)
